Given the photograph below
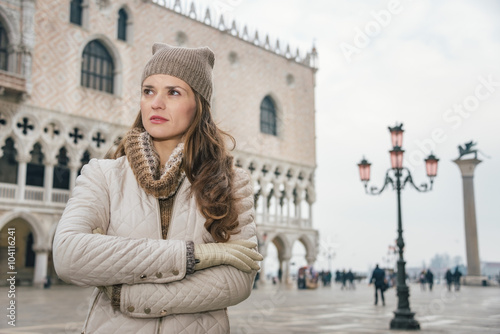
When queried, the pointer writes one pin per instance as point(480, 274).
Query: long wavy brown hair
point(209, 167)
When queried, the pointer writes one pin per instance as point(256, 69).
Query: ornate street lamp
point(403, 316)
point(364, 170)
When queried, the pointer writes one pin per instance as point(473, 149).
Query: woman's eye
point(174, 92)
point(147, 91)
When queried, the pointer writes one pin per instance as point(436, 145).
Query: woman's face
point(168, 107)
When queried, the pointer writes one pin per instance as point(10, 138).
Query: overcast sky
point(434, 66)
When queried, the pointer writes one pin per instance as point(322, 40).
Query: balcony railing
point(60, 196)
point(275, 220)
point(33, 193)
point(12, 82)
point(9, 193)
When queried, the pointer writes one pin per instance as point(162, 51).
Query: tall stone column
point(41, 263)
point(471, 241)
point(285, 270)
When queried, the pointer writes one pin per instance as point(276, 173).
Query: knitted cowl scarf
point(160, 182)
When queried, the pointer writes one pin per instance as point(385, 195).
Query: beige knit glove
point(239, 254)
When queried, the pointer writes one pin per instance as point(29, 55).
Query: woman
point(166, 229)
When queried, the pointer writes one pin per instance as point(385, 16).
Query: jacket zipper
point(90, 312)
point(179, 191)
point(160, 321)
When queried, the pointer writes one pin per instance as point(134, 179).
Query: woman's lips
point(157, 119)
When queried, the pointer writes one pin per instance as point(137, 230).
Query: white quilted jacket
point(157, 296)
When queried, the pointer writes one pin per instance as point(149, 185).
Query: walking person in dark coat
point(449, 278)
point(344, 280)
point(456, 278)
point(429, 276)
point(378, 278)
point(350, 278)
point(422, 280)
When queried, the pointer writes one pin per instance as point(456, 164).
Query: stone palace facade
point(70, 87)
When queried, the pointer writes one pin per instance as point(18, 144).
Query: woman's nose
point(158, 102)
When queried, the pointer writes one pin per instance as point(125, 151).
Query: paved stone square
point(275, 309)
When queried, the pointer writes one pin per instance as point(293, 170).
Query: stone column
point(263, 252)
point(298, 205)
point(73, 175)
point(27, 40)
point(277, 195)
point(265, 209)
point(285, 270)
point(48, 181)
point(473, 264)
point(21, 177)
point(288, 200)
point(41, 264)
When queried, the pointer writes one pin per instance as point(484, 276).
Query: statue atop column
point(467, 149)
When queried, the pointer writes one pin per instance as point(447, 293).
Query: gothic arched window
point(35, 171)
point(76, 12)
point(85, 160)
point(8, 163)
point(4, 52)
point(97, 67)
point(268, 117)
point(61, 171)
point(122, 24)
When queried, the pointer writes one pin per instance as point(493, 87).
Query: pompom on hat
point(192, 65)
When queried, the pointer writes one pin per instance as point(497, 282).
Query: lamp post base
point(403, 319)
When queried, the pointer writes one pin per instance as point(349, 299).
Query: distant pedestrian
point(344, 280)
point(257, 276)
point(456, 278)
point(421, 279)
point(378, 278)
point(350, 278)
point(429, 276)
point(328, 279)
point(449, 278)
point(338, 276)
point(47, 282)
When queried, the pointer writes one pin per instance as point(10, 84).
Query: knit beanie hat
point(193, 66)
